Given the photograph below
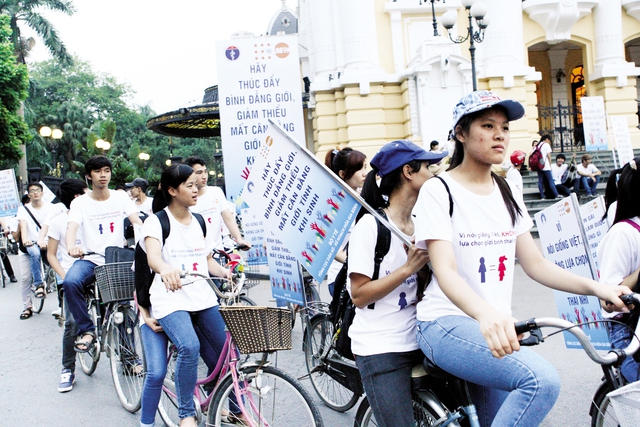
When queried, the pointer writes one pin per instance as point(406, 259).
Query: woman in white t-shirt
point(180, 310)
point(464, 320)
point(619, 256)
point(351, 166)
point(383, 331)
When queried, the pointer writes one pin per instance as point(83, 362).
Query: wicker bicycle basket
point(115, 281)
point(258, 329)
point(626, 404)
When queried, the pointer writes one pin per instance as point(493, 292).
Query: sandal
point(39, 292)
point(84, 346)
point(27, 313)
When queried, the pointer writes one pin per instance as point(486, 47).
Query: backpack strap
point(166, 225)
point(631, 223)
point(383, 243)
point(446, 187)
point(203, 224)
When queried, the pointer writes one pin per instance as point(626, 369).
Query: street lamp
point(102, 144)
point(433, 14)
point(53, 135)
point(144, 156)
point(477, 11)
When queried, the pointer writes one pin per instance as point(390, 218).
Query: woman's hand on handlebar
point(75, 252)
point(609, 297)
point(499, 332)
point(171, 278)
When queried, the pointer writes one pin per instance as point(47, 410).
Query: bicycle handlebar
point(533, 327)
point(235, 292)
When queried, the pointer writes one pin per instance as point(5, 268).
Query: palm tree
point(28, 12)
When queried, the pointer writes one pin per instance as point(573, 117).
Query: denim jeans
point(588, 184)
point(180, 327)
point(620, 337)
point(387, 381)
point(69, 339)
point(514, 391)
point(34, 263)
point(546, 176)
point(79, 275)
point(155, 352)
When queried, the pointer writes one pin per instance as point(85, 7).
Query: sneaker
point(56, 313)
point(67, 379)
point(13, 279)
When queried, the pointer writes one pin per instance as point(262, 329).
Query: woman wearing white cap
point(382, 335)
point(464, 320)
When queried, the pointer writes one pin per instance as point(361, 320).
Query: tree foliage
point(13, 89)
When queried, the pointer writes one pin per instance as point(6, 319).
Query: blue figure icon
point(402, 302)
point(100, 229)
point(482, 270)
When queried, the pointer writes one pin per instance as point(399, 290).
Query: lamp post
point(475, 10)
point(53, 135)
point(433, 14)
point(103, 145)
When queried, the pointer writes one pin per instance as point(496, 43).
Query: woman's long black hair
point(628, 191)
point(172, 177)
point(463, 126)
point(611, 191)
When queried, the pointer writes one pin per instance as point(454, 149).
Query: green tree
point(27, 12)
point(13, 90)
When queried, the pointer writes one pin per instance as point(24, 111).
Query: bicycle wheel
point(602, 413)
point(333, 394)
point(168, 405)
point(425, 413)
point(127, 359)
point(270, 397)
point(38, 303)
point(89, 360)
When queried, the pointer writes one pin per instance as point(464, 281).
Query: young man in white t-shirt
point(212, 205)
point(61, 262)
point(31, 217)
point(558, 170)
point(99, 216)
point(138, 188)
point(589, 176)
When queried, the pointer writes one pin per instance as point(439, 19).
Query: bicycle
point(233, 290)
point(117, 330)
point(49, 282)
point(264, 395)
point(601, 411)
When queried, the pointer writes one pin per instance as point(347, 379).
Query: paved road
point(30, 366)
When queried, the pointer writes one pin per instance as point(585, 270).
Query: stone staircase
point(603, 160)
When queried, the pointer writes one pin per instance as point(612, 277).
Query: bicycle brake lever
point(534, 338)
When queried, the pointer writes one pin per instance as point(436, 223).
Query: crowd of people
point(459, 317)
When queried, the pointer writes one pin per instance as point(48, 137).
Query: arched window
point(578, 90)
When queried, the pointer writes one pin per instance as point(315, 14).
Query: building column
point(322, 37)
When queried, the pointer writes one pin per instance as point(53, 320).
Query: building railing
point(562, 123)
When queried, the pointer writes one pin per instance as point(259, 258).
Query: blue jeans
point(79, 275)
point(588, 184)
point(546, 176)
point(387, 381)
point(515, 391)
point(34, 263)
point(155, 353)
point(620, 337)
point(69, 339)
point(180, 327)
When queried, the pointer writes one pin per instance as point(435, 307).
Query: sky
point(164, 49)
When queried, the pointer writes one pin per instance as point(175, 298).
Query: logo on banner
point(232, 53)
point(282, 50)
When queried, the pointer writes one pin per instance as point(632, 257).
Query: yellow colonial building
point(379, 70)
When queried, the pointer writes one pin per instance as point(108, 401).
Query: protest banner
point(594, 123)
point(595, 227)
point(258, 79)
point(284, 272)
point(9, 199)
point(620, 129)
point(564, 242)
point(254, 233)
point(306, 205)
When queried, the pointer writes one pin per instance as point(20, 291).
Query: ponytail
point(507, 196)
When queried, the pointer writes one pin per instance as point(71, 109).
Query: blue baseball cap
point(481, 99)
point(398, 153)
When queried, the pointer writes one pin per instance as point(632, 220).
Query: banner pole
point(344, 186)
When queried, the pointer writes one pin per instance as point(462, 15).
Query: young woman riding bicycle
point(188, 315)
point(464, 320)
point(383, 330)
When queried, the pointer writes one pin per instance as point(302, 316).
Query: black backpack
point(143, 274)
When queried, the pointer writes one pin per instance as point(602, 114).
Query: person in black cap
point(383, 335)
point(138, 188)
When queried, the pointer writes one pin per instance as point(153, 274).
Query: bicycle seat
point(431, 369)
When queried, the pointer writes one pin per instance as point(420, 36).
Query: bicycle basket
point(258, 329)
point(626, 404)
point(115, 281)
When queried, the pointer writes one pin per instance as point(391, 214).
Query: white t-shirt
point(590, 169)
point(391, 325)
point(211, 205)
point(101, 222)
point(514, 176)
point(186, 248)
point(56, 208)
point(557, 172)
point(483, 239)
point(58, 231)
point(40, 214)
point(146, 206)
point(619, 254)
point(546, 150)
